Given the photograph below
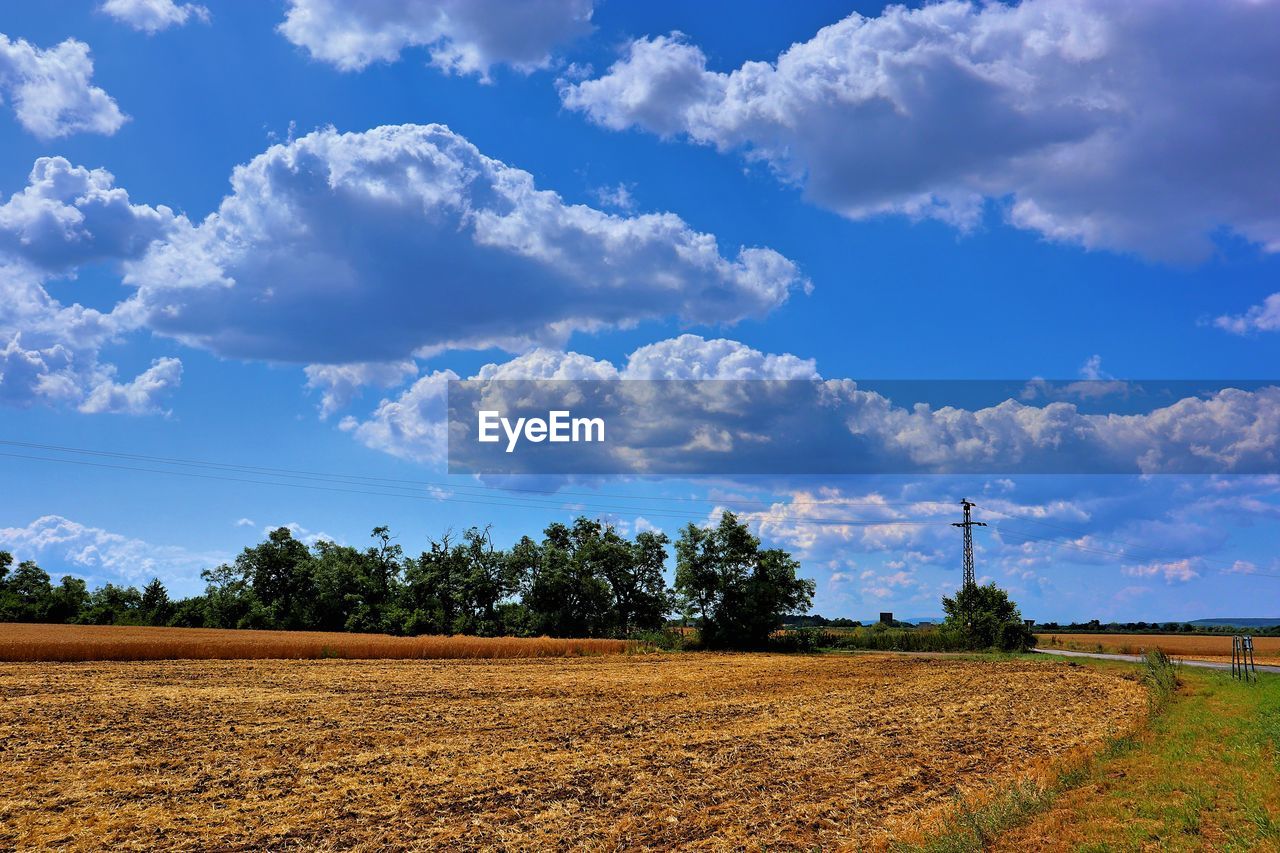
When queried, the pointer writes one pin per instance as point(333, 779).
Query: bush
point(1160, 674)
point(885, 639)
point(797, 640)
point(663, 639)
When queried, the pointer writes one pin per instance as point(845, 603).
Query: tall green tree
point(740, 591)
point(8, 601)
point(230, 602)
point(565, 594)
point(340, 576)
point(28, 593)
point(433, 595)
point(634, 570)
point(986, 618)
point(155, 606)
point(376, 611)
point(279, 573)
point(68, 600)
point(113, 605)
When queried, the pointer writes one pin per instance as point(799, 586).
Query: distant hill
point(1238, 622)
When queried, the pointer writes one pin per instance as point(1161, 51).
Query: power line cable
point(554, 499)
point(336, 477)
point(512, 502)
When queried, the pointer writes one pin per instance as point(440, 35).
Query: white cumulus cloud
point(1259, 318)
point(152, 16)
point(48, 351)
point(339, 384)
point(399, 241)
point(1180, 571)
point(832, 425)
point(461, 36)
point(60, 545)
point(51, 92)
point(413, 425)
point(68, 216)
point(140, 396)
point(1139, 127)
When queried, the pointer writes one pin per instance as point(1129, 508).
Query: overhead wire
point(532, 498)
point(501, 501)
point(407, 483)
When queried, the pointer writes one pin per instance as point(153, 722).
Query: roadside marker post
point(1242, 663)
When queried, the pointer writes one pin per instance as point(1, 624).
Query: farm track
point(1196, 662)
point(632, 752)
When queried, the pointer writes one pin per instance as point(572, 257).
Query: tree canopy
point(740, 591)
point(583, 579)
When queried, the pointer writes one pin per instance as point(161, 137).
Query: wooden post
point(1243, 665)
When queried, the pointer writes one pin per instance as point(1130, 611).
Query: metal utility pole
point(968, 524)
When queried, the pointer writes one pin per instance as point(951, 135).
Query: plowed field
point(701, 750)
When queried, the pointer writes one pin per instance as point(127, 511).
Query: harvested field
point(22, 642)
point(636, 751)
point(1214, 647)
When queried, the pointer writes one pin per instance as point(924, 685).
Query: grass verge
point(1202, 775)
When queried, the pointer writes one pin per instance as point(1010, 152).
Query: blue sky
point(1071, 191)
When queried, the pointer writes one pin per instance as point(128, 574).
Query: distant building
point(886, 618)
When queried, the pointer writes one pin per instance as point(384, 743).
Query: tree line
point(579, 580)
point(1094, 626)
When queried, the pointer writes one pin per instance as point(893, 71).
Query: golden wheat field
point(24, 642)
point(607, 752)
point(1213, 647)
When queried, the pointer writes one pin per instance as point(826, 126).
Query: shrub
point(664, 639)
point(884, 639)
point(1160, 674)
point(800, 640)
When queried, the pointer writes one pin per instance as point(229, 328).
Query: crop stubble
point(35, 642)
point(652, 751)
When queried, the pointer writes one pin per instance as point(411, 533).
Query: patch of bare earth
point(699, 750)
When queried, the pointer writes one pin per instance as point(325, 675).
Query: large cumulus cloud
point(1141, 127)
point(69, 216)
point(827, 426)
point(413, 425)
point(63, 545)
point(50, 353)
point(358, 247)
